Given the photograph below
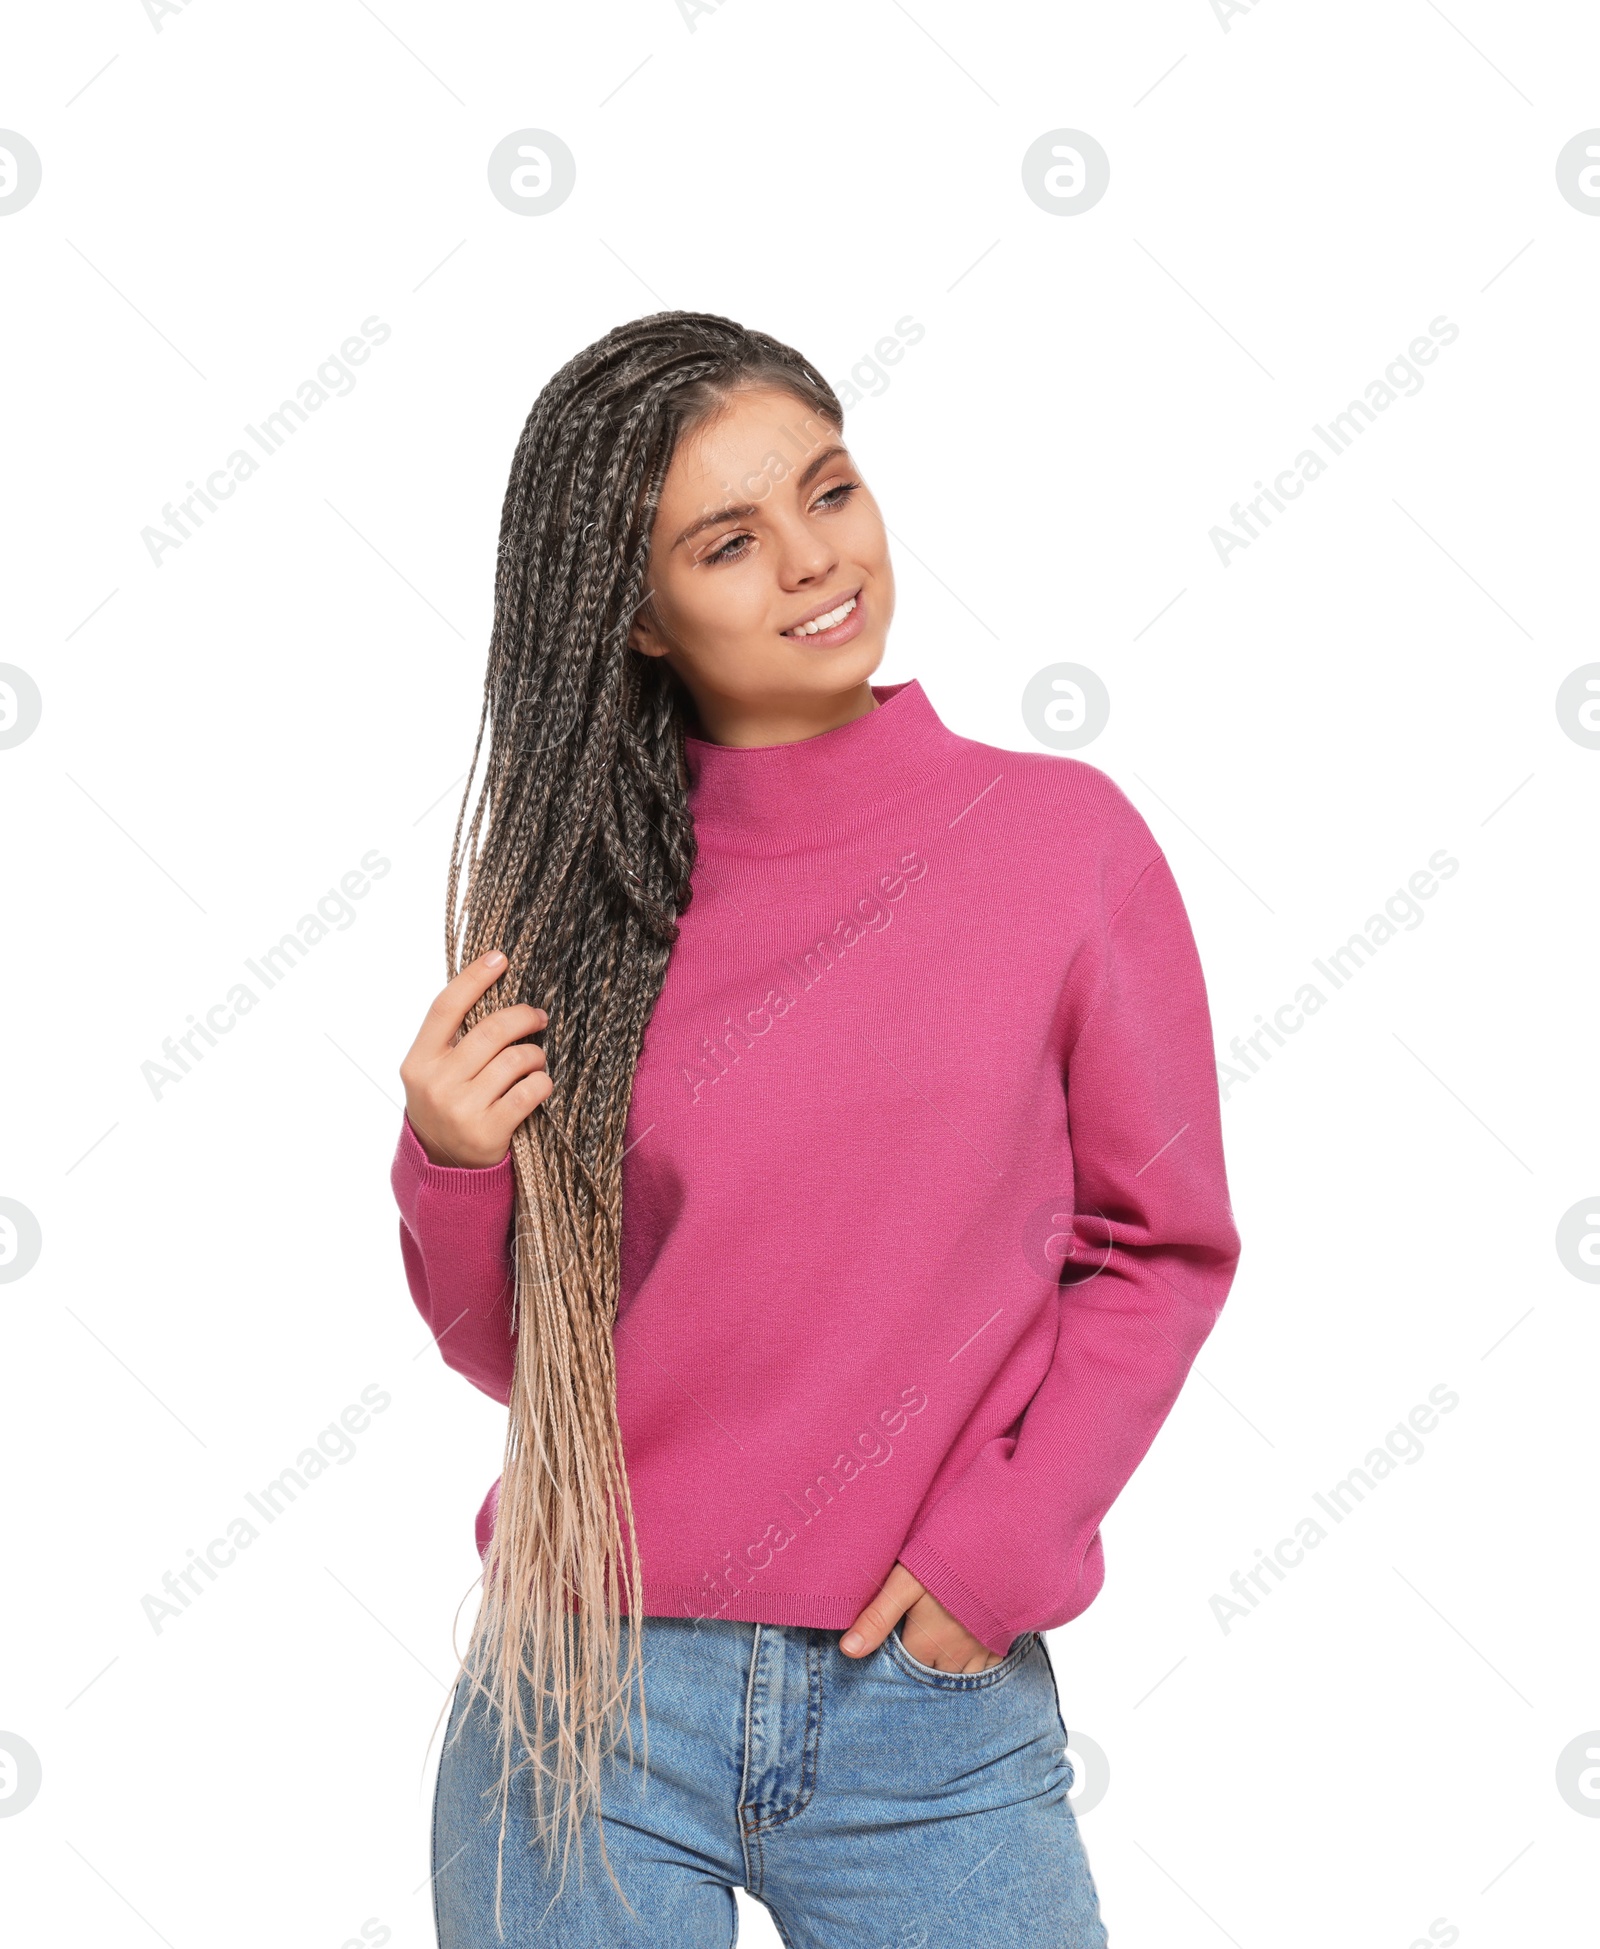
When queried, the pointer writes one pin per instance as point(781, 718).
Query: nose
point(807, 558)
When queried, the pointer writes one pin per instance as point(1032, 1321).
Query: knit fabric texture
point(925, 1214)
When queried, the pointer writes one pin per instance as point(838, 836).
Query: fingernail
point(493, 958)
point(853, 1641)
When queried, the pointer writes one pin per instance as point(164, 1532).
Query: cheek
point(864, 537)
point(709, 608)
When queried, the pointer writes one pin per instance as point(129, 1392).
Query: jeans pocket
point(930, 1675)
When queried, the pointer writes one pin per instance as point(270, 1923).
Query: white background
point(1294, 196)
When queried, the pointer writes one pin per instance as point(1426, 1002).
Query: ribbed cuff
point(459, 1181)
point(958, 1597)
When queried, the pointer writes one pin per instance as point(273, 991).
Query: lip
point(840, 632)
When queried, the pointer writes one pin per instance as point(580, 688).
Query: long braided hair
point(576, 863)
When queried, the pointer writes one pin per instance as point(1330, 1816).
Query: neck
point(745, 726)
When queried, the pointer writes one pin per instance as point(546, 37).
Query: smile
point(831, 619)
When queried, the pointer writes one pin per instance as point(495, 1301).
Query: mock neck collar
point(775, 798)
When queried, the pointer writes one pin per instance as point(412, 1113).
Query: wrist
point(445, 1160)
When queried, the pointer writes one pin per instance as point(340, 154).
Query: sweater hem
point(822, 1613)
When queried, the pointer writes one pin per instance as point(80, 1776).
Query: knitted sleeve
point(1013, 1543)
point(455, 1238)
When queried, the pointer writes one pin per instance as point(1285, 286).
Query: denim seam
point(809, 1749)
point(1063, 1759)
point(777, 1922)
point(1055, 1686)
point(749, 1834)
point(433, 1830)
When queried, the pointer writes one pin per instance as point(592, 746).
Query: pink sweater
point(925, 1216)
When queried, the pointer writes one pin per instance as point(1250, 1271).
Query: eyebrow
point(743, 509)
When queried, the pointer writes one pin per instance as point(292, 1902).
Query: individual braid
point(577, 863)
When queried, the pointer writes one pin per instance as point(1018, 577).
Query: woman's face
point(765, 524)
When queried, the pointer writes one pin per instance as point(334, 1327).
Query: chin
point(833, 672)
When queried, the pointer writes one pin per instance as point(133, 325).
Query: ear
point(643, 635)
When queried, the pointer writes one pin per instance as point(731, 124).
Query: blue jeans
point(869, 1803)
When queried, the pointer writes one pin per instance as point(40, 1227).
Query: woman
point(818, 1151)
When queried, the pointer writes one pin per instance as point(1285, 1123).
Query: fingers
point(900, 1590)
point(448, 1009)
point(933, 1637)
point(516, 1062)
point(485, 1040)
point(511, 1088)
point(927, 1630)
point(467, 1093)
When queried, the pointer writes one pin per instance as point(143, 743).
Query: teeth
point(830, 621)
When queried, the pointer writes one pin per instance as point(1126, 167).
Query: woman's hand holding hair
point(466, 1093)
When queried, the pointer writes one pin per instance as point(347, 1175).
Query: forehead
point(755, 423)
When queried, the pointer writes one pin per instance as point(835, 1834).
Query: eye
point(736, 547)
point(732, 550)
